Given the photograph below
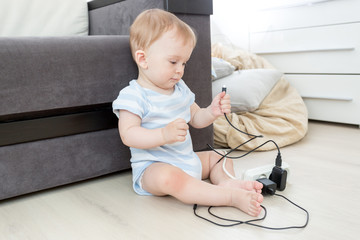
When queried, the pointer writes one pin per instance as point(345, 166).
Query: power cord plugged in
point(279, 176)
point(276, 180)
point(269, 187)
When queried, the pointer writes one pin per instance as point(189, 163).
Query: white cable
point(224, 168)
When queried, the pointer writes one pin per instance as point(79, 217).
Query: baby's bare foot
point(248, 201)
point(254, 186)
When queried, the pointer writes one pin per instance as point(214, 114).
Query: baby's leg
point(163, 179)
point(214, 171)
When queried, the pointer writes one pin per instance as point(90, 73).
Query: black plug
point(279, 176)
point(269, 187)
point(278, 160)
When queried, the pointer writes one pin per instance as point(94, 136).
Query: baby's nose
point(180, 69)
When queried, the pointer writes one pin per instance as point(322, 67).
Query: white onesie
point(156, 111)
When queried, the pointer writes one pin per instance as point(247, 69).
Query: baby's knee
point(174, 180)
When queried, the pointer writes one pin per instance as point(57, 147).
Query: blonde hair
point(151, 24)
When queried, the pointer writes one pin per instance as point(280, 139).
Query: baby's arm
point(133, 135)
point(203, 117)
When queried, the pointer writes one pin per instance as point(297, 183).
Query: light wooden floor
point(324, 179)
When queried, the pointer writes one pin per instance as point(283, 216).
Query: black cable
point(278, 158)
point(278, 163)
point(250, 222)
point(252, 150)
point(252, 135)
point(242, 222)
point(236, 222)
point(296, 205)
point(226, 155)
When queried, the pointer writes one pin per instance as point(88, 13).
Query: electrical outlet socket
point(263, 172)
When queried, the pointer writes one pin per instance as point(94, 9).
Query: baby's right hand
point(175, 131)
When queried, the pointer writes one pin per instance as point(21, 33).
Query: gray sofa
point(56, 121)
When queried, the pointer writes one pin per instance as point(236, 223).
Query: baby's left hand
point(220, 104)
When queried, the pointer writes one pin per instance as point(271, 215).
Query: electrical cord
point(236, 222)
point(278, 158)
point(252, 135)
point(278, 163)
point(251, 222)
point(247, 153)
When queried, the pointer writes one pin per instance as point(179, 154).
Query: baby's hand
point(175, 131)
point(220, 104)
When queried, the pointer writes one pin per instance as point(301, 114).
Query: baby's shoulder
point(131, 89)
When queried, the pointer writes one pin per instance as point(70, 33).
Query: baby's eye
point(184, 64)
point(173, 62)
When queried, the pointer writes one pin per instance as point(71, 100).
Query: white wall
point(232, 18)
point(229, 22)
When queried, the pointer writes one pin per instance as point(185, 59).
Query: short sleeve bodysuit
point(156, 111)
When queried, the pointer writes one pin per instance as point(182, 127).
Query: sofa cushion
point(41, 73)
point(43, 18)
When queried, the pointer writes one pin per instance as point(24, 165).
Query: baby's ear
point(140, 59)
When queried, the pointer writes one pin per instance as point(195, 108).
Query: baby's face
point(166, 59)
